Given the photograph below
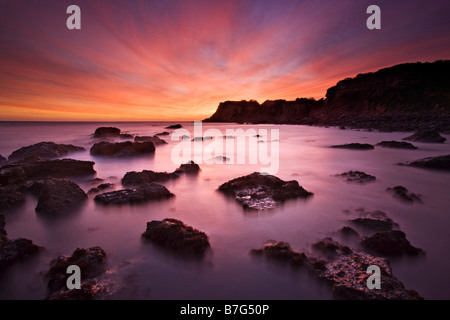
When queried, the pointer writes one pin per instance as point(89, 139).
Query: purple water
point(138, 270)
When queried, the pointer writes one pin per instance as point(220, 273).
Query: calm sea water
point(138, 270)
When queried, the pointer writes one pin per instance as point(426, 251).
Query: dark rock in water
point(122, 149)
point(104, 132)
point(126, 136)
point(397, 145)
point(144, 193)
point(348, 232)
point(13, 251)
point(101, 187)
point(3, 233)
point(165, 133)
point(148, 176)
point(377, 220)
point(57, 196)
point(134, 178)
point(25, 170)
point(2, 160)
point(44, 150)
point(355, 146)
point(188, 168)
point(345, 271)
point(402, 193)
point(390, 243)
point(430, 136)
point(436, 163)
point(155, 139)
point(357, 176)
point(90, 289)
point(92, 264)
point(280, 250)
point(202, 138)
point(177, 236)
point(262, 192)
point(175, 126)
point(10, 197)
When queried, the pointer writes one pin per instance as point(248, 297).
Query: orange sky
point(177, 60)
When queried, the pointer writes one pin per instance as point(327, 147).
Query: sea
point(137, 269)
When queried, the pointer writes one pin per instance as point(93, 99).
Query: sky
point(163, 60)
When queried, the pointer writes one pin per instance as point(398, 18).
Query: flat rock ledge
point(141, 194)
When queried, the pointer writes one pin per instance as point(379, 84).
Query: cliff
point(403, 97)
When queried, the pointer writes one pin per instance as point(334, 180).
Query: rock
point(101, 187)
point(377, 220)
point(202, 138)
point(126, 136)
point(3, 160)
point(188, 168)
point(44, 150)
point(175, 126)
point(122, 149)
point(26, 170)
point(90, 289)
point(430, 136)
point(13, 251)
point(155, 139)
point(402, 193)
point(57, 196)
point(357, 176)
point(355, 146)
point(10, 197)
point(348, 232)
point(435, 163)
point(3, 233)
point(390, 243)
point(345, 270)
point(91, 263)
point(396, 145)
point(175, 235)
point(104, 132)
point(134, 178)
point(144, 193)
point(262, 192)
point(165, 133)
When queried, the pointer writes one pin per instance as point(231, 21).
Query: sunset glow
point(177, 60)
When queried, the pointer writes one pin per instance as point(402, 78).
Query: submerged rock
point(357, 176)
point(175, 235)
point(105, 132)
point(101, 187)
point(436, 163)
point(397, 145)
point(175, 126)
point(348, 232)
point(10, 197)
point(165, 133)
point(144, 193)
point(44, 150)
point(430, 136)
point(345, 270)
point(262, 192)
point(390, 243)
point(57, 196)
point(355, 146)
point(377, 220)
point(92, 264)
point(402, 193)
point(155, 139)
point(122, 149)
point(13, 251)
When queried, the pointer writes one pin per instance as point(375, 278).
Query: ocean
point(140, 270)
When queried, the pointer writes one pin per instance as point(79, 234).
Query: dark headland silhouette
point(405, 97)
